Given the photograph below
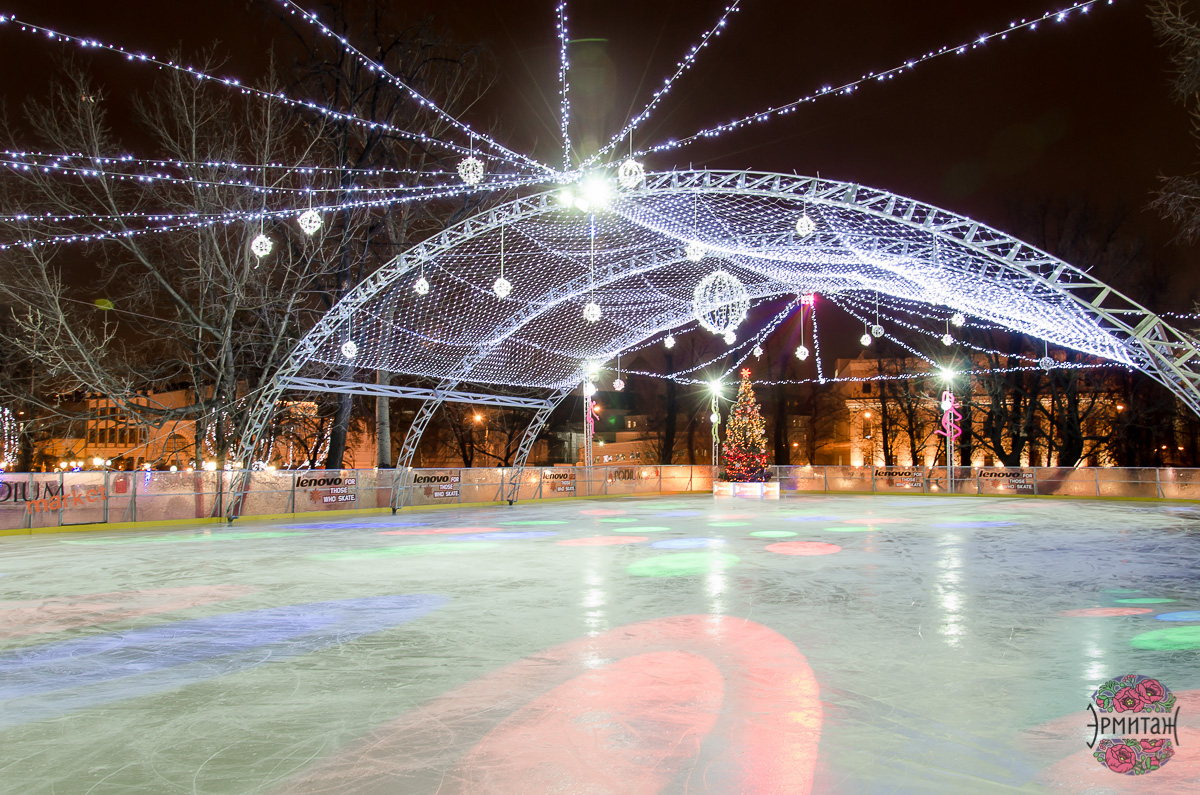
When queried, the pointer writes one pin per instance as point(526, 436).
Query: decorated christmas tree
point(745, 447)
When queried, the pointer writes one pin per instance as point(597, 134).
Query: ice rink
point(679, 645)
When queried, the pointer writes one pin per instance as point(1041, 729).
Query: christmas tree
point(746, 439)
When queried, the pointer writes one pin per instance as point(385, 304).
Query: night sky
point(1075, 111)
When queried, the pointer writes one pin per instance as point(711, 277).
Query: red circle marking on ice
point(601, 512)
point(602, 541)
point(594, 712)
point(440, 531)
point(803, 548)
point(1102, 612)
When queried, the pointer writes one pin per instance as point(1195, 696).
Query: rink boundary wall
point(66, 502)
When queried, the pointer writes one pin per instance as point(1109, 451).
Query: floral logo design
point(1139, 714)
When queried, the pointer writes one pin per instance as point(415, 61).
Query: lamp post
point(715, 418)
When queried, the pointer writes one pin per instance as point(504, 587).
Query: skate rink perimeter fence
point(45, 501)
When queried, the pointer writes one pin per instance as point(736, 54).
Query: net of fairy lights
point(587, 277)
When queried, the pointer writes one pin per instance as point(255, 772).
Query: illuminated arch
point(630, 257)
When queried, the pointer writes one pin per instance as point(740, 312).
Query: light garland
point(565, 86)
point(159, 63)
point(684, 65)
point(852, 85)
point(420, 99)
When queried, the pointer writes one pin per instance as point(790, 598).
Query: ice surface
point(865, 644)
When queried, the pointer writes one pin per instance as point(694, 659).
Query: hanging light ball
point(802, 353)
point(502, 287)
point(669, 341)
point(471, 170)
point(694, 252)
point(958, 319)
point(349, 349)
point(591, 311)
point(877, 331)
point(720, 302)
point(947, 339)
point(865, 339)
point(618, 385)
point(805, 226)
point(261, 246)
point(421, 286)
point(310, 221)
point(1046, 363)
point(631, 174)
point(730, 338)
point(758, 351)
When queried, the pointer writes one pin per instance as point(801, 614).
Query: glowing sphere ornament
point(802, 353)
point(877, 331)
point(1046, 363)
point(958, 319)
point(947, 339)
point(720, 302)
point(310, 221)
point(471, 170)
point(758, 351)
point(865, 339)
point(591, 311)
point(805, 226)
point(421, 286)
point(714, 418)
point(730, 338)
point(349, 349)
point(502, 287)
point(694, 252)
point(618, 385)
point(261, 246)
point(669, 341)
point(631, 174)
point(589, 389)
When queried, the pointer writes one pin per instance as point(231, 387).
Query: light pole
point(715, 418)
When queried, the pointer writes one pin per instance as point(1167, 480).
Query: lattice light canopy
point(866, 243)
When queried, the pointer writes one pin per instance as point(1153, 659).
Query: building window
point(866, 387)
point(868, 429)
point(92, 436)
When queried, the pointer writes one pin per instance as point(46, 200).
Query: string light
point(688, 59)
point(565, 87)
point(850, 87)
point(424, 102)
point(276, 96)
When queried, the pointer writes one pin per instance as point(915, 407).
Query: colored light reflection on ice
point(773, 534)
point(811, 518)
point(1145, 600)
point(40, 682)
point(412, 550)
point(600, 512)
point(804, 548)
point(1171, 639)
point(620, 520)
point(974, 525)
point(728, 524)
point(636, 709)
point(183, 538)
point(352, 525)
point(682, 564)
point(1183, 615)
point(679, 514)
point(641, 529)
point(437, 531)
point(536, 522)
point(689, 543)
point(506, 536)
point(850, 529)
point(1105, 612)
point(602, 541)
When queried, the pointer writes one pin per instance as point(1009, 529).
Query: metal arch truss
point(878, 224)
point(531, 435)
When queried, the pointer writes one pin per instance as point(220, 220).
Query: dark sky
point(1074, 110)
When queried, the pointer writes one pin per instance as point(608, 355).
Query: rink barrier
point(74, 501)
